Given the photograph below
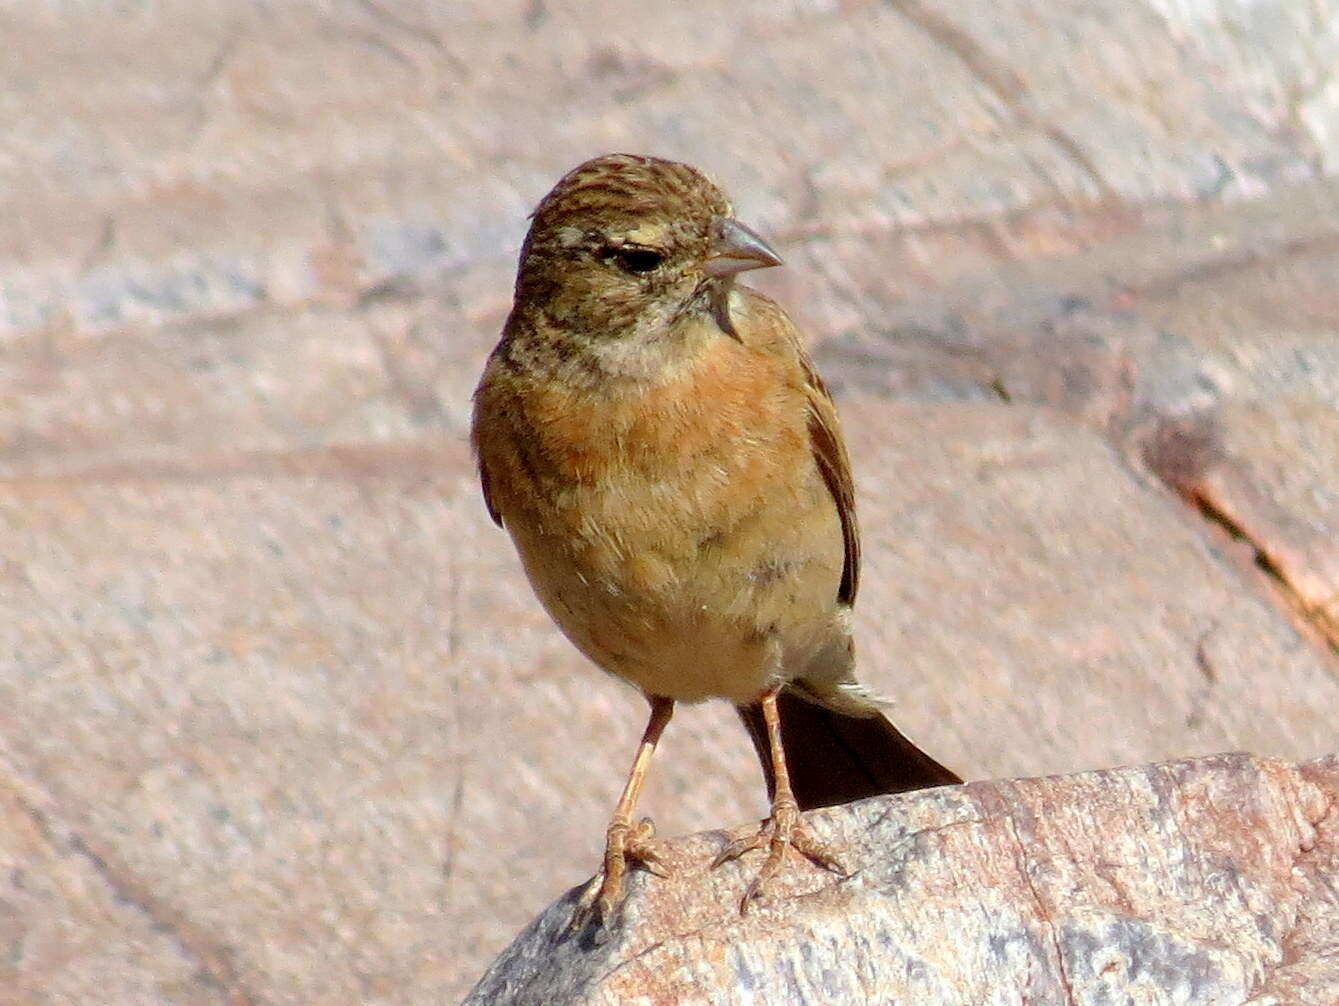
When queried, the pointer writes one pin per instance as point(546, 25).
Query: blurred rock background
point(279, 719)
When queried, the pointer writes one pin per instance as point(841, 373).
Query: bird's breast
point(670, 509)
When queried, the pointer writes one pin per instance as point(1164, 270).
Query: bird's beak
point(735, 249)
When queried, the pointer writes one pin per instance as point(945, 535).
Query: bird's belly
point(690, 592)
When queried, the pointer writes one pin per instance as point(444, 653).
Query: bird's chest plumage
point(634, 481)
point(654, 516)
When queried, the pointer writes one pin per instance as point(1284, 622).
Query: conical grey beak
point(735, 248)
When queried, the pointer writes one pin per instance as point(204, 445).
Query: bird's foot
point(625, 844)
point(783, 830)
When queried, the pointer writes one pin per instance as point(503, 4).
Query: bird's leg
point(784, 829)
point(625, 842)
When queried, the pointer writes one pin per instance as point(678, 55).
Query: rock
point(74, 926)
point(294, 725)
point(1196, 882)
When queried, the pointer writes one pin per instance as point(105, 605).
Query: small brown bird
point(671, 471)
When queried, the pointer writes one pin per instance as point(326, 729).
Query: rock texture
point(1194, 882)
point(279, 719)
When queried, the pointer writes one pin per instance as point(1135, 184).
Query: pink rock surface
point(1193, 882)
point(279, 719)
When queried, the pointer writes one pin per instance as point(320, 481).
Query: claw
point(783, 830)
point(740, 846)
point(643, 851)
point(624, 845)
point(583, 912)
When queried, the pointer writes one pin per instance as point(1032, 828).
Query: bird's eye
point(634, 260)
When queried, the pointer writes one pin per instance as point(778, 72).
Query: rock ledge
point(1193, 882)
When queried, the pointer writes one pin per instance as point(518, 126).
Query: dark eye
point(633, 259)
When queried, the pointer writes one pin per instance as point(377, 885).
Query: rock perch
point(1211, 880)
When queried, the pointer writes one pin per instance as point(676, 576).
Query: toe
point(740, 846)
point(642, 850)
point(781, 832)
point(819, 853)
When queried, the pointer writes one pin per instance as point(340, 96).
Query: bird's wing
point(488, 499)
point(825, 439)
point(479, 427)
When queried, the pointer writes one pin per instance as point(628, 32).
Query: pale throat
point(658, 347)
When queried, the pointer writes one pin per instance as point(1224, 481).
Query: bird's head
point(625, 245)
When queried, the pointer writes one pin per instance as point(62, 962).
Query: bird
point(671, 470)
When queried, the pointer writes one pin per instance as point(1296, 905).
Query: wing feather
point(830, 453)
point(488, 499)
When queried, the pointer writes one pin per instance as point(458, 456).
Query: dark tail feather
point(835, 758)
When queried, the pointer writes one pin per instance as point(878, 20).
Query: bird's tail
point(835, 757)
